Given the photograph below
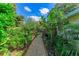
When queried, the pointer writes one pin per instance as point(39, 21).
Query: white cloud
point(44, 11)
point(27, 9)
point(35, 18)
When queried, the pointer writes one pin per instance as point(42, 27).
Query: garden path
point(37, 48)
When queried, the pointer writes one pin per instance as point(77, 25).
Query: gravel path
point(37, 48)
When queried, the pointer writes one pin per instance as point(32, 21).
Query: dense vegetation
point(15, 34)
point(62, 36)
point(59, 34)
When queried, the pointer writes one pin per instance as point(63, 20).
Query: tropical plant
point(58, 39)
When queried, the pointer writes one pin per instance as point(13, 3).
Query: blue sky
point(33, 9)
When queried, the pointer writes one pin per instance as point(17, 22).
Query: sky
point(33, 10)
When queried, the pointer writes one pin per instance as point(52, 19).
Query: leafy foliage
point(61, 37)
point(14, 33)
point(61, 33)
